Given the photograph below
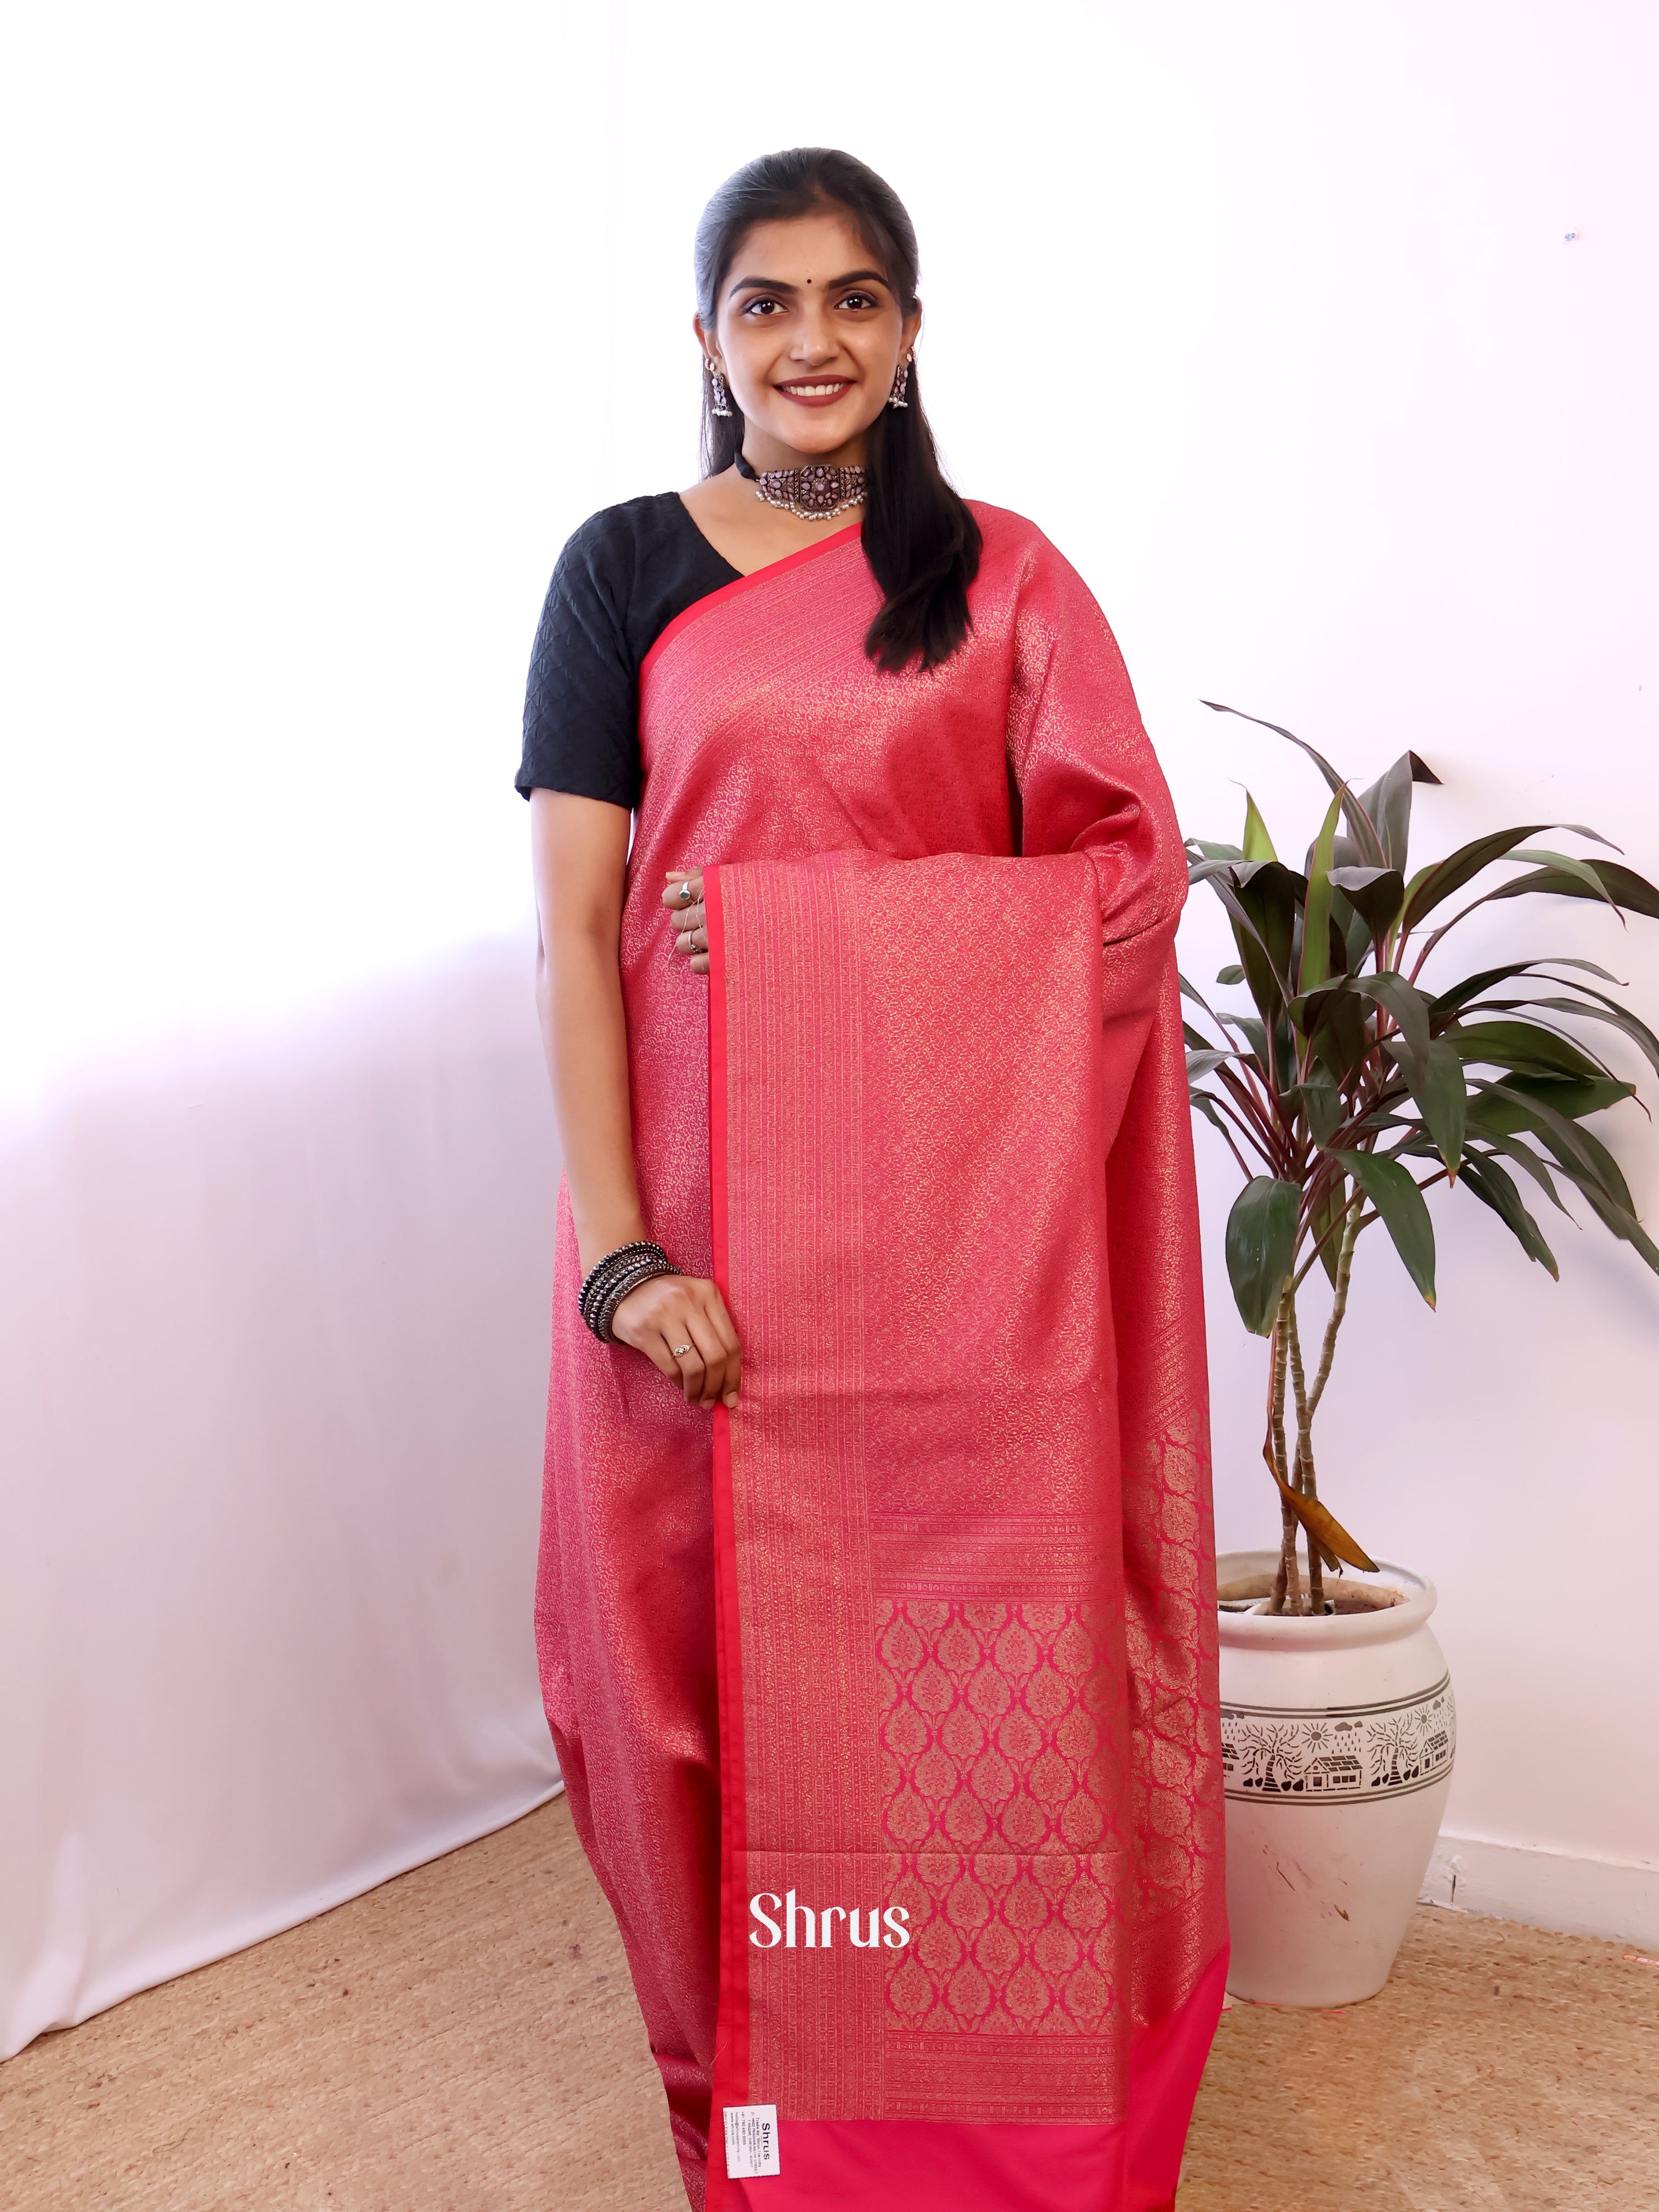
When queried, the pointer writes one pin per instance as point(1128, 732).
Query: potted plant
point(1355, 1082)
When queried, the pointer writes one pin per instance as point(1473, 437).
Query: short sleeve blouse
point(621, 579)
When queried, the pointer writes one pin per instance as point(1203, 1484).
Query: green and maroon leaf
point(1474, 987)
point(1340, 1039)
point(1388, 803)
point(1581, 871)
point(1572, 1099)
point(1206, 849)
point(1260, 1245)
point(1625, 1226)
point(1622, 885)
point(1364, 833)
point(1406, 1003)
point(1526, 1046)
point(1431, 885)
point(1255, 1032)
point(1258, 845)
point(1375, 895)
point(1201, 1064)
point(1580, 1156)
point(1272, 896)
point(1206, 872)
point(1495, 1187)
point(1525, 1158)
point(1393, 1191)
point(1437, 1085)
point(1323, 1103)
point(1265, 987)
point(1609, 1010)
point(1319, 1100)
point(1317, 931)
point(1593, 1170)
point(1354, 929)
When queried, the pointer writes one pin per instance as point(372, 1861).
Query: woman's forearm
point(580, 850)
point(578, 992)
point(678, 1322)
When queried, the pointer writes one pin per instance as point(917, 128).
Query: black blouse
point(620, 581)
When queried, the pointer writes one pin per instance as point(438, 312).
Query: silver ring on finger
point(679, 1351)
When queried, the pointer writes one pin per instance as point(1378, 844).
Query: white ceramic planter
point(1337, 1740)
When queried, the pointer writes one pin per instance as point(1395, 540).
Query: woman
point(875, 1605)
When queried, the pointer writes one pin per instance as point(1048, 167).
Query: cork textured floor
point(465, 2040)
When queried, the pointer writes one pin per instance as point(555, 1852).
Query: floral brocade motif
point(1000, 1730)
point(1169, 1563)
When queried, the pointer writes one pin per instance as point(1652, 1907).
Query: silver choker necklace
point(816, 495)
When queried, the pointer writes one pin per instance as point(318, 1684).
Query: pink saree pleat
point(950, 1559)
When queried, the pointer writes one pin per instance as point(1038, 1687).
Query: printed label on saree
point(751, 2141)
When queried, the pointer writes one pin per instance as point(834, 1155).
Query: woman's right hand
point(681, 1324)
point(684, 899)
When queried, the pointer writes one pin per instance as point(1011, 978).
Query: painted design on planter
point(1339, 1755)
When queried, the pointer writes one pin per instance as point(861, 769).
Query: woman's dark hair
point(920, 539)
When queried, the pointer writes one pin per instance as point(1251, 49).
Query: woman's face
point(809, 334)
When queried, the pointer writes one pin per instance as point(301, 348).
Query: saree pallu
point(887, 1702)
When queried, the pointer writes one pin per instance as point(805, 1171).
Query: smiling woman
point(814, 334)
point(876, 1557)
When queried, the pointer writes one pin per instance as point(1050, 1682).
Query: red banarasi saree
point(886, 1703)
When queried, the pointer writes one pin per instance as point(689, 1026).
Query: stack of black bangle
point(609, 1281)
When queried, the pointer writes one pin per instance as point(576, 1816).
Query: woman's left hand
point(684, 899)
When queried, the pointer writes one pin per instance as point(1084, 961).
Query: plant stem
point(1303, 1478)
point(1253, 1110)
point(1247, 1132)
point(1243, 1165)
point(1287, 1355)
point(1339, 1308)
point(1287, 1582)
point(1306, 1268)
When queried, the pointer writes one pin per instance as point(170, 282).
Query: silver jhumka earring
point(901, 377)
point(718, 381)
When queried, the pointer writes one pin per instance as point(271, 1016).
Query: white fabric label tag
point(751, 2141)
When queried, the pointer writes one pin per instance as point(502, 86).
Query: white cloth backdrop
point(287, 467)
point(1322, 339)
point(272, 1340)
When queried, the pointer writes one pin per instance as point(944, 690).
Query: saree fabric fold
point(887, 1701)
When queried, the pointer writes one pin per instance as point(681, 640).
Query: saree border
point(735, 589)
point(731, 2074)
